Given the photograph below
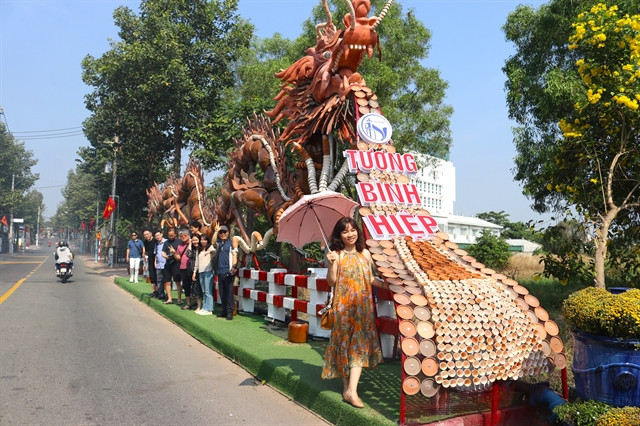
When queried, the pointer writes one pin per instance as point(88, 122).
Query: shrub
point(626, 416)
point(593, 413)
point(596, 311)
point(492, 250)
point(582, 413)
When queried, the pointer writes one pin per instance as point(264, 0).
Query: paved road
point(86, 352)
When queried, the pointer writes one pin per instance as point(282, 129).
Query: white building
point(436, 183)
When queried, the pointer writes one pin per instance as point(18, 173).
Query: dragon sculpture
point(474, 326)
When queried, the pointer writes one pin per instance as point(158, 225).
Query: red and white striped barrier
point(277, 301)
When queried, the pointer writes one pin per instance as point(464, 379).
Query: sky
point(43, 42)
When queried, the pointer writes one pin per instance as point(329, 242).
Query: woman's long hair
point(335, 242)
point(205, 247)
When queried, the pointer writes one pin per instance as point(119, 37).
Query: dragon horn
point(384, 11)
point(353, 14)
point(325, 5)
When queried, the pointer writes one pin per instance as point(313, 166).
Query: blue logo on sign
point(374, 128)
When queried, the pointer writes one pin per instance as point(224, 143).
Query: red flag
point(92, 222)
point(84, 225)
point(4, 221)
point(109, 208)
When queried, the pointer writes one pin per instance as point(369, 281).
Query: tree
point(574, 86)
point(17, 162)
point(500, 218)
point(566, 252)
point(492, 250)
point(161, 84)
point(411, 95)
point(510, 229)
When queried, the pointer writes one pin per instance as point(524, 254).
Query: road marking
point(11, 290)
point(19, 283)
point(20, 263)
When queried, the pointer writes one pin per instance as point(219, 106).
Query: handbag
point(328, 313)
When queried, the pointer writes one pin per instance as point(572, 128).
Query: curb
point(262, 349)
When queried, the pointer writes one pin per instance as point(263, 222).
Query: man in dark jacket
point(225, 266)
point(149, 252)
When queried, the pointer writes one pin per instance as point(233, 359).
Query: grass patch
point(523, 266)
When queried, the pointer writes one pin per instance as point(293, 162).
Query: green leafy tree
point(80, 198)
point(573, 87)
point(164, 79)
point(17, 163)
point(492, 250)
point(567, 253)
point(515, 230)
point(411, 95)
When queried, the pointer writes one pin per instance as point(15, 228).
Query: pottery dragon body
point(467, 325)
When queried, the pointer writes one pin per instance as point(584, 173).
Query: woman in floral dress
point(354, 343)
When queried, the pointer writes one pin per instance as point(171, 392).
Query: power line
point(51, 136)
point(48, 131)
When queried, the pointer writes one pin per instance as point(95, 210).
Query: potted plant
point(606, 336)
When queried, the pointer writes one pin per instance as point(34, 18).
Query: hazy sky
point(42, 44)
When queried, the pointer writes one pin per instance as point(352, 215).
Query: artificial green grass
point(262, 348)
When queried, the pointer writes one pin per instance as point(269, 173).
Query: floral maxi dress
point(354, 339)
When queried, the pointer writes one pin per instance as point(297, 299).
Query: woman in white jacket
point(204, 268)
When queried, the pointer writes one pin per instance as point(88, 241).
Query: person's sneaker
point(203, 312)
point(229, 317)
point(130, 280)
point(221, 314)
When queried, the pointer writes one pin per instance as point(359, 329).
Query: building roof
point(472, 221)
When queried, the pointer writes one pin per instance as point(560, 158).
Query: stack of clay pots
point(462, 325)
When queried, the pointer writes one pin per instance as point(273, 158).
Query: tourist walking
point(135, 249)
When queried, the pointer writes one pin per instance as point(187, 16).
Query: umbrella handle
point(324, 237)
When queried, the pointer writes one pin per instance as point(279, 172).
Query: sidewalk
point(262, 348)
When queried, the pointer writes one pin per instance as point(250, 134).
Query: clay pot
point(298, 332)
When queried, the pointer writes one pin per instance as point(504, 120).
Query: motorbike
point(65, 272)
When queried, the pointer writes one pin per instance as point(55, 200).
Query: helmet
point(62, 244)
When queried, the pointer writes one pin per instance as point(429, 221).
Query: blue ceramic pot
point(606, 369)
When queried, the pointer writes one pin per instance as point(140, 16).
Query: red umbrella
point(313, 217)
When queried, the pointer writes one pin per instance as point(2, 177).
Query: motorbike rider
point(64, 254)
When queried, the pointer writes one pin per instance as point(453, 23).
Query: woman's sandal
point(186, 307)
point(179, 302)
point(168, 302)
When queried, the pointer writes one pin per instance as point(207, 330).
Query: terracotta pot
point(298, 332)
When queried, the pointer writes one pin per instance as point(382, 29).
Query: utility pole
point(38, 229)
point(114, 239)
point(97, 228)
point(13, 181)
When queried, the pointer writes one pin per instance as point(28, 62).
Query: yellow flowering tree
point(598, 165)
point(573, 87)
